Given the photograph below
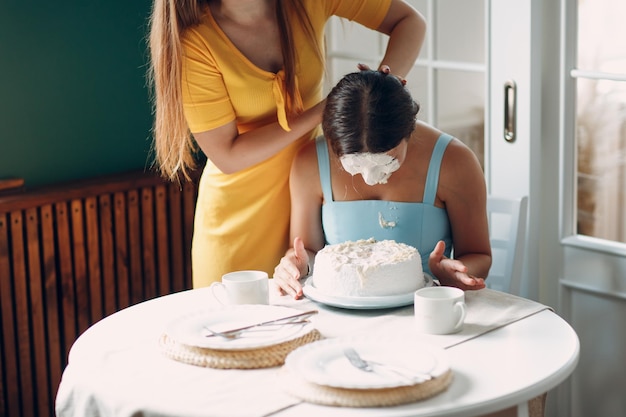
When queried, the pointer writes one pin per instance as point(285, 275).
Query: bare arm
point(232, 152)
point(463, 191)
point(306, 232)
point(406, 28)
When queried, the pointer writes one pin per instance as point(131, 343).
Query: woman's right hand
point(293, 266)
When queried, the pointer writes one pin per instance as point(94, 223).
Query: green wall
point(73, 96)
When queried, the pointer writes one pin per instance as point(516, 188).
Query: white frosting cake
point(368, 268)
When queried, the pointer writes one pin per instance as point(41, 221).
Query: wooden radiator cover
point(73, 254)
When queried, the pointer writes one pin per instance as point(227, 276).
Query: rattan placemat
point(264, 357)
point(342, 397)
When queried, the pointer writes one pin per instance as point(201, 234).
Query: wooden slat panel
point(56, 346)
point(177, 232)
point(77, 189)
point(147, 242)
point(121, 250)
point(7, 184)
point(108, 255)
point(68, 292)
point(10, 373)
point(93, 259)
point(134, 241)
point(5, 266)
point(79, 251)
point(38, 313)
point(162, 240)
point(189, 198)
point(22, 309)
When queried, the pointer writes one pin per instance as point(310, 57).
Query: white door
point(514, 135)
point(572, 163)
point(593, 196)
point(514, 99)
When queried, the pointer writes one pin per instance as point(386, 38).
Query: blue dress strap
point(432, 177)
point(323, 163)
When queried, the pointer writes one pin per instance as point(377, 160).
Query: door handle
point(510, 110)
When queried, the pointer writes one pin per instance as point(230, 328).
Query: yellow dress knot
point(283, 109)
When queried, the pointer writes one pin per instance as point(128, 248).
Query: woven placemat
point(342, 397)
point(264, 357)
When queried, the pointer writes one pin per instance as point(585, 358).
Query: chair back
point(507, 234)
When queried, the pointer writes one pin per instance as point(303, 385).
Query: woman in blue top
point(386, 176)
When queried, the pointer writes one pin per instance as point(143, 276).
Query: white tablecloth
point(116, 367)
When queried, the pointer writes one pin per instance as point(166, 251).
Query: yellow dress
point(242, 219)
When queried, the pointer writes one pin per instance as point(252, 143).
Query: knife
point(232, 333)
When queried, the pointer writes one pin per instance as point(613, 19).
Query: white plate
point(189, 328)
point(387, 301)
point(324, 362)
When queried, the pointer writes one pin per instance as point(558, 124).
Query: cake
point(366, 268)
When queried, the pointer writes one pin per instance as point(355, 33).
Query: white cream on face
point(375, 168)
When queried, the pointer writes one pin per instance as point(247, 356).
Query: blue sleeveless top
point(420, 225)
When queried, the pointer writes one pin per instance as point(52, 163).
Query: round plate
point(379, 302)
point(190, 329)
point(325, 363)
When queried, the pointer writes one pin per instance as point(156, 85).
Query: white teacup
point(439, 310)
point(242, 287)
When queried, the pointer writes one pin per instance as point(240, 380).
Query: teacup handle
point(459, 307)
point(218, 290)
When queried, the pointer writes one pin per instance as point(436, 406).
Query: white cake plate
point(362, 303)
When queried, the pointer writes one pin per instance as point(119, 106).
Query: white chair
point(507, 234)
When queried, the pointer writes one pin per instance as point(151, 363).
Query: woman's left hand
point(452, 272)
point(383, 68)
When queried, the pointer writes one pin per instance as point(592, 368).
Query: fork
point(369, 366)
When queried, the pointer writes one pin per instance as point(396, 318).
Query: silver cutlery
point(411, 376)
point(236, 333)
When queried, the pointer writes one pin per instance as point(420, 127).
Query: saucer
point(351, 302)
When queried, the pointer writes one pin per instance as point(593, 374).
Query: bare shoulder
point(456, 152)
point(304, 166)
point(461, 171)
point(460, 153)
point(306, 156)
point(305, 185)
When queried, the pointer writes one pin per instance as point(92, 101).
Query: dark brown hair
point(368, 111)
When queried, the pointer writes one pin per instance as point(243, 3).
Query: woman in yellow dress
point(242, 81)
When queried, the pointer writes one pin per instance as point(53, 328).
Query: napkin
point(487, 310)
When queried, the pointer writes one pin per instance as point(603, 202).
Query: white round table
point(510, 351)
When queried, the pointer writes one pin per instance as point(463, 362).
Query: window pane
point(422, 7)
point(461, 107)
point(352, 37)
point(417, 83)
point(601, 144)
point(602, 35)
point(466, 20)
point(601, 121)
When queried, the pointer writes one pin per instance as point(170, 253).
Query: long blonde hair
point(173, 145)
